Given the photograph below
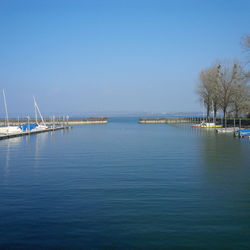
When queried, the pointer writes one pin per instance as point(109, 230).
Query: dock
point(4, 137)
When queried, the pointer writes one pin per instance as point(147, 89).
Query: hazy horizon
point(79, 57)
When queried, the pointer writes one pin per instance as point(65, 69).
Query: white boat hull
point(10, 130)
point(227, 130)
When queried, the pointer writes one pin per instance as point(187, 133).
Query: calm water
point(125, 185)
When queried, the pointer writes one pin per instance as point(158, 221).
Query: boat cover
point(27, 126)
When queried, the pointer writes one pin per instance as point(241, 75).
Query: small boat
point(206, 125)
point(35, 126)
point(42, 126)
point(227, 130)
point(242, 132)
point(10, 130)
point(7, 130)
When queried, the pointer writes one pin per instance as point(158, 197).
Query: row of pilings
point(228, 122)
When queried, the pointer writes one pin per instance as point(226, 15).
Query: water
point(125, 186)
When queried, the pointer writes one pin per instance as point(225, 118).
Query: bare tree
point(215, 70)
point(241, 92)
point(208, 89)
point(246, 42)
point(240, 99)
point(224, 86)
point(227, 78)
point(204, 90)
point(246, 46)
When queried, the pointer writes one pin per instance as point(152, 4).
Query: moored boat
point(243, 132)
point(7, 130)
point(227, 130)
point(206, 125)
point(10, 130)
point(42, 126)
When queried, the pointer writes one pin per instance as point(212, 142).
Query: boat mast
point(6, 110)
point(35, 110)
point(36, 106)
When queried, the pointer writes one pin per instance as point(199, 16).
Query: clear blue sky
point(101, 55)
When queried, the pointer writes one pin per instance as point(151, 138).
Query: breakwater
point(60, 121)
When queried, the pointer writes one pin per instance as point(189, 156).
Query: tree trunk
point(215, 112)
point(208, 111)
point(236, 111)
point(224, 116)
point(215, 115)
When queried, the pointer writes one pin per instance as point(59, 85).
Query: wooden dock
point(4, 137)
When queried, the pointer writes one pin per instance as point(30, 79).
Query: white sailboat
point(8, 129)
point(42, 126)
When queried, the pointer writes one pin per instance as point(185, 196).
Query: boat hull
point(10, 130)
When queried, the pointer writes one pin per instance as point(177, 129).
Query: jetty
point(30, 132)
point(59, 121)
point(91, 120)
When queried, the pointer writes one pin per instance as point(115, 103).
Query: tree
point(240, 99)
point(234, 91)
point(224, 86)
point(246, 46)
point(208, 89)
point(246, 42)
point(227, 77)
point(216, 90)
point(241, 93)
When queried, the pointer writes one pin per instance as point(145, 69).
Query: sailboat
point(35, 126)
point(42, 126)
point(8, 129)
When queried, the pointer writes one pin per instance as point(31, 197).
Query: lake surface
point(125, 186)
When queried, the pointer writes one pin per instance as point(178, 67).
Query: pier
point(60, 121)
point(8, 136)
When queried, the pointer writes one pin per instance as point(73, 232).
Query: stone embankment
point(92, 120)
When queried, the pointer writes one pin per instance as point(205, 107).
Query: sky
point(104, 56)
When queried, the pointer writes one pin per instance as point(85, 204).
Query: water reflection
point(226, 170)
point(30, 147)
point(222, 151)
point(7, 146)
point(40, 141)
